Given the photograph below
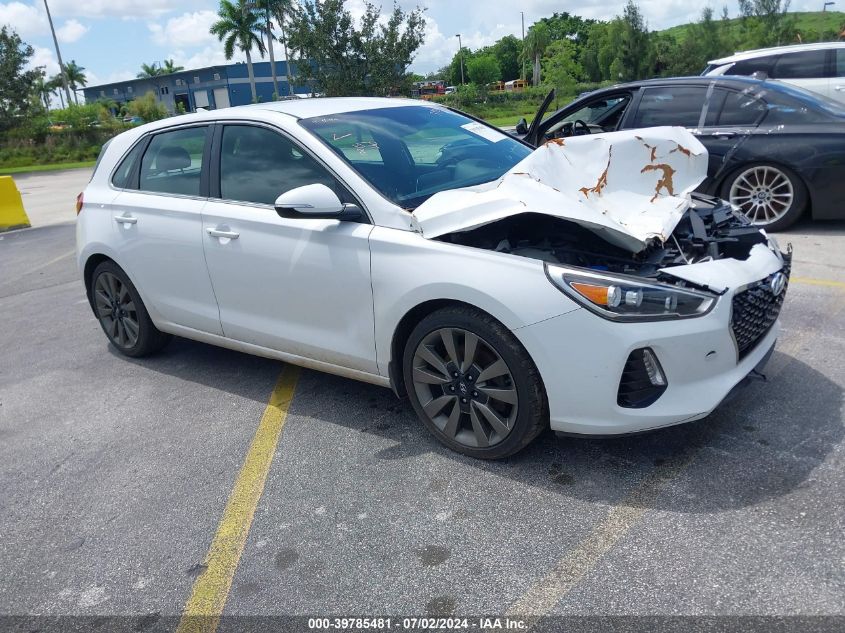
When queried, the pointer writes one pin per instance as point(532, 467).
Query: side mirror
point(522, 126)
point(310, 201)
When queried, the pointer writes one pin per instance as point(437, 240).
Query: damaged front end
point(616, 221)
point(621, 204)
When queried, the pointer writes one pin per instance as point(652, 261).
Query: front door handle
point(723, 134)
point(223, 233)
point(125, 220)
point(839, 88)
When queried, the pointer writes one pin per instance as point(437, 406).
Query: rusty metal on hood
point(629, 187)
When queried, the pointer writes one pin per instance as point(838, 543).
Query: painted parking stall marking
point(205, 605)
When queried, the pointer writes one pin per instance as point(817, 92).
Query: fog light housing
point(643, 380)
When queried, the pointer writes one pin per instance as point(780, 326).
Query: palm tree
point(148, 71)
point(170, 67)
point(239, 26)
point(42, 88)
point(56, 84)
point(536, 41)
point(279, 8)
point(75, 76)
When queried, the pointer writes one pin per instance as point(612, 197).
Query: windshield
point(410, 153)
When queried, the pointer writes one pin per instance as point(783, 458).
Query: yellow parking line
point(549, 590)
point(208, 597)
point(818, 282)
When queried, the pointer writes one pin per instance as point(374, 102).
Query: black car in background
point(775, 150)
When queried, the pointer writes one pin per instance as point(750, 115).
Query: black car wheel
point(473, 384)
point(772, 197)
point(122, 314)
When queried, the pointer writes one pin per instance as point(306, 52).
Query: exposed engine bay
point(709, 230)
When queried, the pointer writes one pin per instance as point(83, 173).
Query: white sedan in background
point(503, 290)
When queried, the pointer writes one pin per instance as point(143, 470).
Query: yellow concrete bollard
point(12, 214)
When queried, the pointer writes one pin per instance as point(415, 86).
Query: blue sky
point(111, 38)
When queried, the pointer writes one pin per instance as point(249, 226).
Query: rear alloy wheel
point(473, 385)
point(122, 314)
point(771, 197)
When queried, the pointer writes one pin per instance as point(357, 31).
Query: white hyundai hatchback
point(503, 290)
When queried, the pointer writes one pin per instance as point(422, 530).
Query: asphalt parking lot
point(115, 476)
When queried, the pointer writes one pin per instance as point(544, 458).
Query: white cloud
point(208, 56)
point(187, 30)
point(119, 8)
point(26, 19)
point(71, 31)
point(46, 57)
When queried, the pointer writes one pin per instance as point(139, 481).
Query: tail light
point(79, 202)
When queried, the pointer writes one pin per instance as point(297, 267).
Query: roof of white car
point(776, 50)
point(324, 106)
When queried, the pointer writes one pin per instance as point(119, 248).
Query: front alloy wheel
point(465, 387)
point(473, 384)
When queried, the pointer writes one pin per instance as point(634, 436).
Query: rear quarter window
point(123, 175)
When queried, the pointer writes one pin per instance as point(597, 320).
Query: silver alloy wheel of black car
point(763, 193)
point(465, 387)
point(116, 310)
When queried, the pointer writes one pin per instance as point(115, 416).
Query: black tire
point(531, 415)
point(128, 308)
point(785, 218)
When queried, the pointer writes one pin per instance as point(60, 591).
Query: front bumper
point(580, 357)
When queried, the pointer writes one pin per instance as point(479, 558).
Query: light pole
point(58, 54)
point(461, 57)
point(826, 5)
point(522, 16)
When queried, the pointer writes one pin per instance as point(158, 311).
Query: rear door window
point(839, 65)
point(803, 65)
point(737, 109)
point(670, 105)
point(173, 162)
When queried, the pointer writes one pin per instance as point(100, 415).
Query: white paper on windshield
point(485, 132)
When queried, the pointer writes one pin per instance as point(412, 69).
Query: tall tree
point(15, 81)
point(43, 89)
point(561, 69)
point(536, 41)
point(767, 22)
point(238, 27)
point(344, 58)
point(506, 52)
point(633, 47)
point(280, 10)
point(169, 67)
point(483, 70)
point(75, 77)
point(148, 71)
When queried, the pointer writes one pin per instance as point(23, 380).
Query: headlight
point(624, 298)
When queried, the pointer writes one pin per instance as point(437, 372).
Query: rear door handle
point(125, 219)
point(723, 134)
point(839, 88)
point(223, 233)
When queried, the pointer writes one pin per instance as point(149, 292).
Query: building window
point(115, 91)
point(130, 89)
point(216, 76)
point(196, 80)
point(165, 90)
point(178, 82)
point(102, 93)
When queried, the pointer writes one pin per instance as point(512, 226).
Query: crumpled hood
point(629, 187)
